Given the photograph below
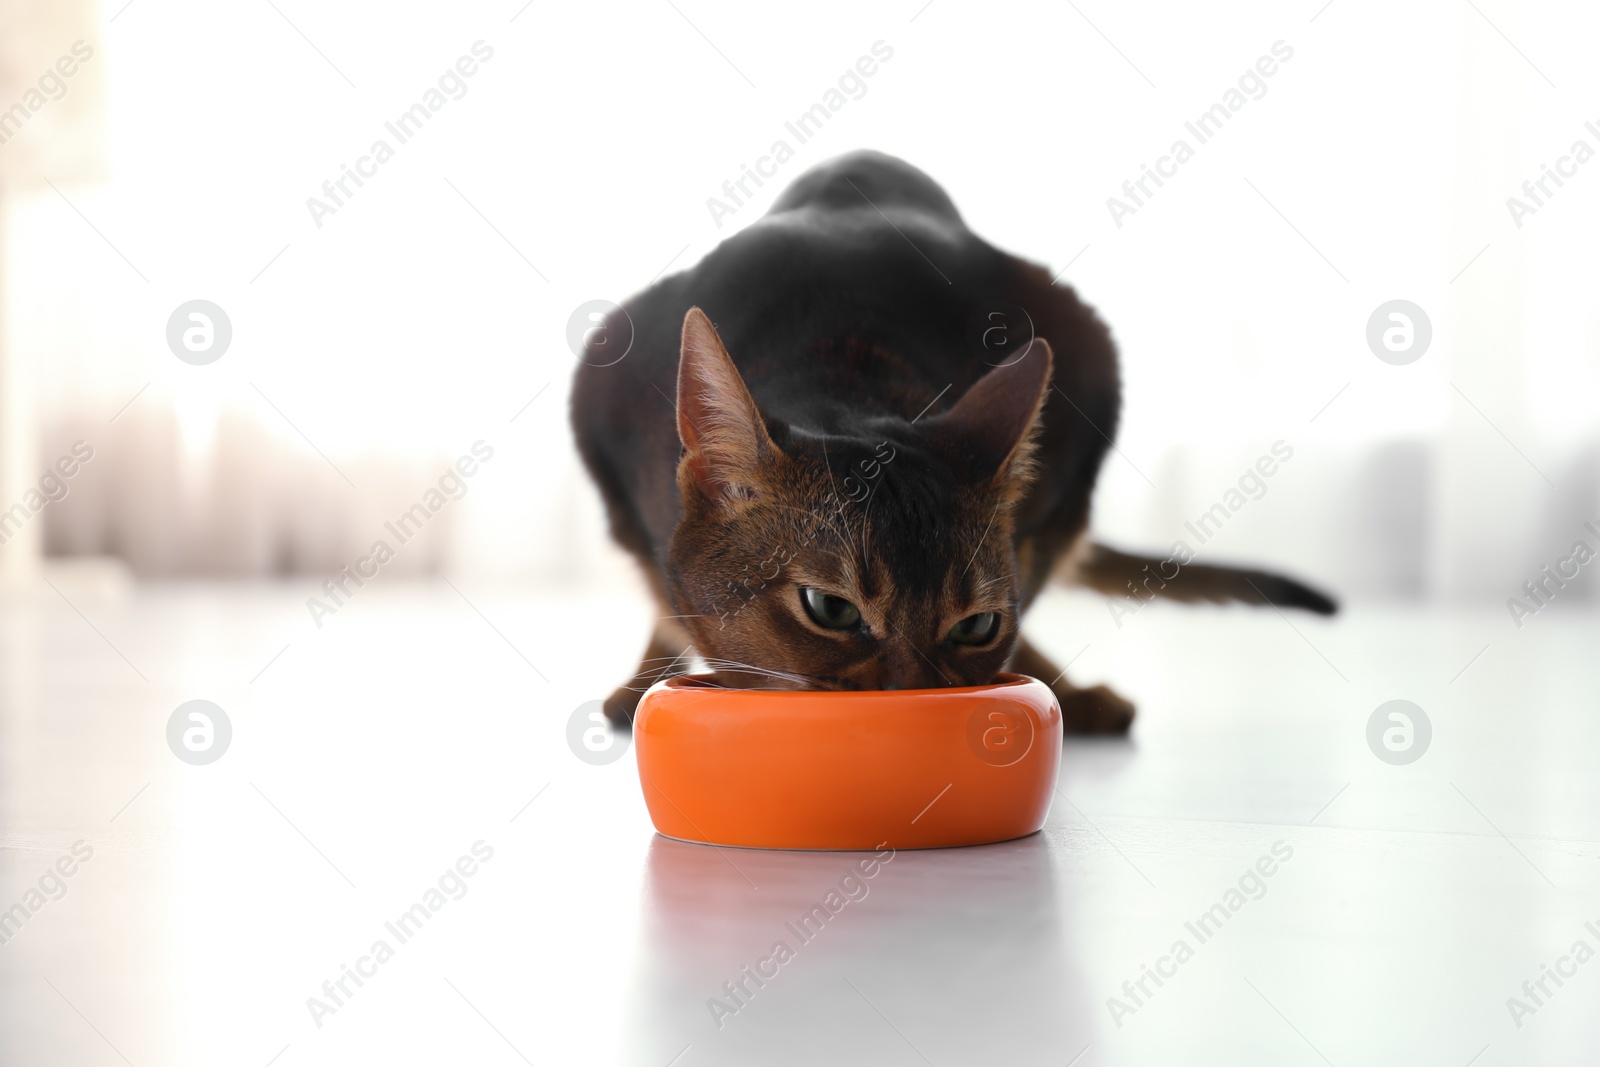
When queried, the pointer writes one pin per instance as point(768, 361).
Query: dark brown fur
point(838, 429)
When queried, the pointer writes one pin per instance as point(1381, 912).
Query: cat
point(836, 475)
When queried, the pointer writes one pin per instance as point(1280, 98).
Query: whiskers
point(654, 669)
point(791, 680)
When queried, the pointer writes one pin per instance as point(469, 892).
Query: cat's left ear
point(993, 423)
point(725, 439)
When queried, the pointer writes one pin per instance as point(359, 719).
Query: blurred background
point(373, 344)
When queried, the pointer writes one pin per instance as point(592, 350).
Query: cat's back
point(864, 249)
point(866, 179)
point(854, 297)
point(859, 223)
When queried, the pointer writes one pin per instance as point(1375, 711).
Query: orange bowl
point(914, 768)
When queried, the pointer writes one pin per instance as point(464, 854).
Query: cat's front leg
point(1095, 710)
point(666, 655)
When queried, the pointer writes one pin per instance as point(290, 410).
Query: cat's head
point(883, 559)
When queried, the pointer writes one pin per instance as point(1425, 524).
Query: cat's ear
point(994, 421)
point(725, 440)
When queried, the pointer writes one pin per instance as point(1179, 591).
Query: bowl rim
point(1004, 682)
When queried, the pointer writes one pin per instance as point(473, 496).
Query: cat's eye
point(828, 611)
point(975, 629)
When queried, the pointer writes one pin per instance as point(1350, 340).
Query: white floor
point(375, 751)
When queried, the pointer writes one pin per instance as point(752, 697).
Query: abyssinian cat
point(831, 484)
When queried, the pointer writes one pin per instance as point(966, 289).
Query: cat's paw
point(620, 706)
point(1096, 710)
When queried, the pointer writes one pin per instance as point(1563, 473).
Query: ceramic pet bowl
point(914, 768)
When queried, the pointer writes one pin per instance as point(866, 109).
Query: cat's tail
point(1114, 573)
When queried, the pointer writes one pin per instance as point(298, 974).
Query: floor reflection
point(825, 957)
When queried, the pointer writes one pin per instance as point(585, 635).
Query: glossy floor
point(412, 751)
